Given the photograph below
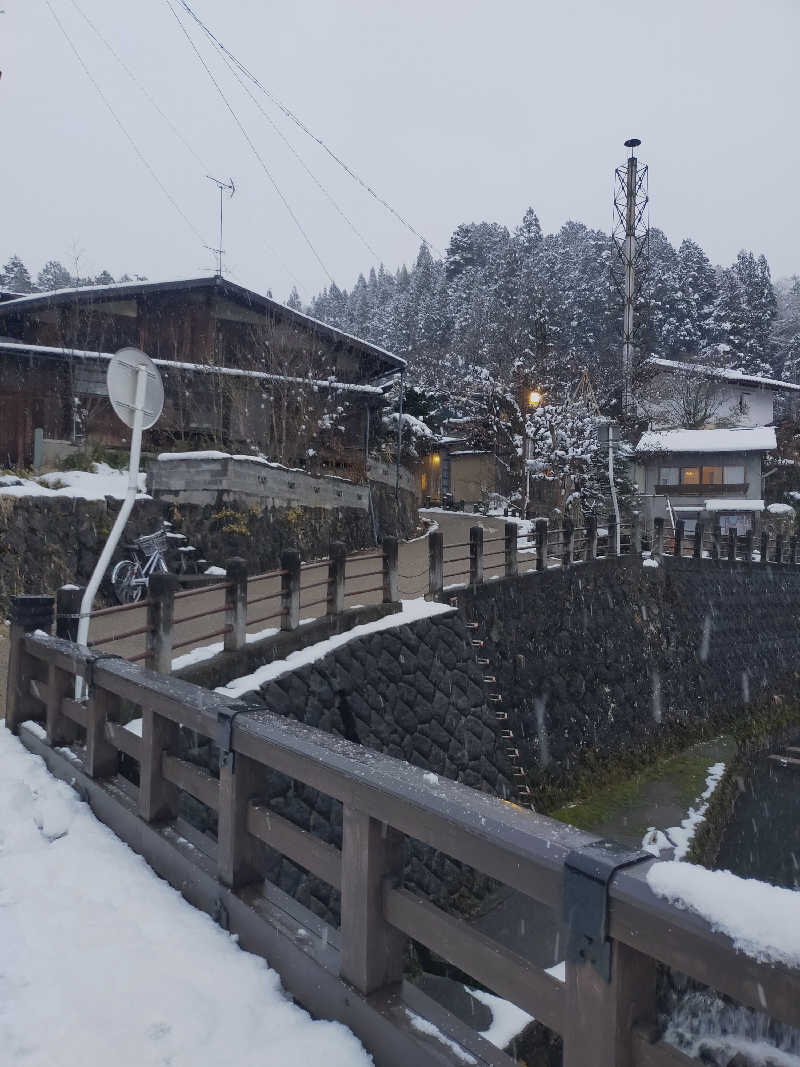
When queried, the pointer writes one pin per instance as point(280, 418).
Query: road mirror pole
point(137, 396)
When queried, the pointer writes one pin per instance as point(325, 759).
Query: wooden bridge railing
point(605, 1010)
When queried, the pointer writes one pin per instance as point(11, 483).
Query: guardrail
point(175, 621)
point(619, 930)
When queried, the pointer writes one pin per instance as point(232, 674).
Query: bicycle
point(130, 576)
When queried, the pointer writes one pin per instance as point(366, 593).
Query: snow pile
point(762, 920)
point(96, 484)
point(102, 962)
point(680, 837)
point(425, 1026)
point(781, 509)
point(413, 611)
point(507, 1019)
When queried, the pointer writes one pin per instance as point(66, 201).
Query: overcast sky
point(452, 110)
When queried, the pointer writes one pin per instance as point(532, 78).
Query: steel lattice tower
point(629, 260)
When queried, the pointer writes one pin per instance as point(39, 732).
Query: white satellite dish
point(122, 379)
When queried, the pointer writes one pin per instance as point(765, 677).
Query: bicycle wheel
point(123, 579)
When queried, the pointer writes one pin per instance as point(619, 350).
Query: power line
point(119, 122)
point(249, 140)
point(142, 88)
point(298, 122)
point(233, 69)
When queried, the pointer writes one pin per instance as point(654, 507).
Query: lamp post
point(533, 400)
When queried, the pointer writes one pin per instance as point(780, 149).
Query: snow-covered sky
point(456, 110)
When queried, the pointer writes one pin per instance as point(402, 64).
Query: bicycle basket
point(154, 542)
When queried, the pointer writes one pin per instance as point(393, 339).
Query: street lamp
point(534, 398)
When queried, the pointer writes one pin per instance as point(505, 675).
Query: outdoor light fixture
point(437, 459)
point(534, 398)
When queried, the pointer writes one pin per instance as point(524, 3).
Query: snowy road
point(103, 963)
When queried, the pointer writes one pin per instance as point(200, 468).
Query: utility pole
point(223, 187)
point(630, 246)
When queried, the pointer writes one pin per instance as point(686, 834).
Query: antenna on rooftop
point(630, 239)
point(224, 187)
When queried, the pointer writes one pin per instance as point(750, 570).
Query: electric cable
point(249, 140)
point(300, 159)
point(298, 122)
point(142, 88)
point(142, 159)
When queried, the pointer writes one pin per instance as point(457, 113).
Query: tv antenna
point(224, 187)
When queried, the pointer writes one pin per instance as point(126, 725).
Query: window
point(690, 475)
point(744, 403)
point(712, 475)
point(668, 476)
point(734, 475)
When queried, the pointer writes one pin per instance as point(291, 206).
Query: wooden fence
point(619, 930)
point(172, 621)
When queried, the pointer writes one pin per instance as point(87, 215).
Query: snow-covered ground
point(101, 962)
point(96, 484)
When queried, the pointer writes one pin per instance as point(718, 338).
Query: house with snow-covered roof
point(240, 370)
point(683, 474)
point(672, 393)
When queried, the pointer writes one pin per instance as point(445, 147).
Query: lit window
point(712, 475)
point(436, 459)
point(690, 475)
point(424, 481)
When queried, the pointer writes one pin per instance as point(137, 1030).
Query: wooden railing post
point(590, 552)
point(611, 550)
point(102, 758)
point(337, 566)
point(240, 855)
point(158, 798)
point(779, 548)
point(28, 613)
point(732, 544)
point(161, 592)
point(236, 604)
point(290, 589)
point(748, 546)
point(764, 545)
point(699, 529)
point(371, 949)
point(716, 540)
point(510, 545)
point(61, 730)
point(475, 555)
point(568, 548)
point(636, 535)
point(678, 548)
point(792, 549)
point(600, 1016)
point(390, 590)
point(658, 538)
point(435, 563)
point(541, 544)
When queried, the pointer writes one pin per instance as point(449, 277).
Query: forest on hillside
point(508, 305)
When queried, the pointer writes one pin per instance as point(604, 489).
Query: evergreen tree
point(53, 275)
point(294, 302)
point(16, 278)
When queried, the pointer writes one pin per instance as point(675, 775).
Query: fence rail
point(605, 1013)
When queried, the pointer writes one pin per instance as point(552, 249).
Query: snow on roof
point(746, 439)
point(729, 504)
point(122, 289)
point(723, 373)
point(198, 368)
